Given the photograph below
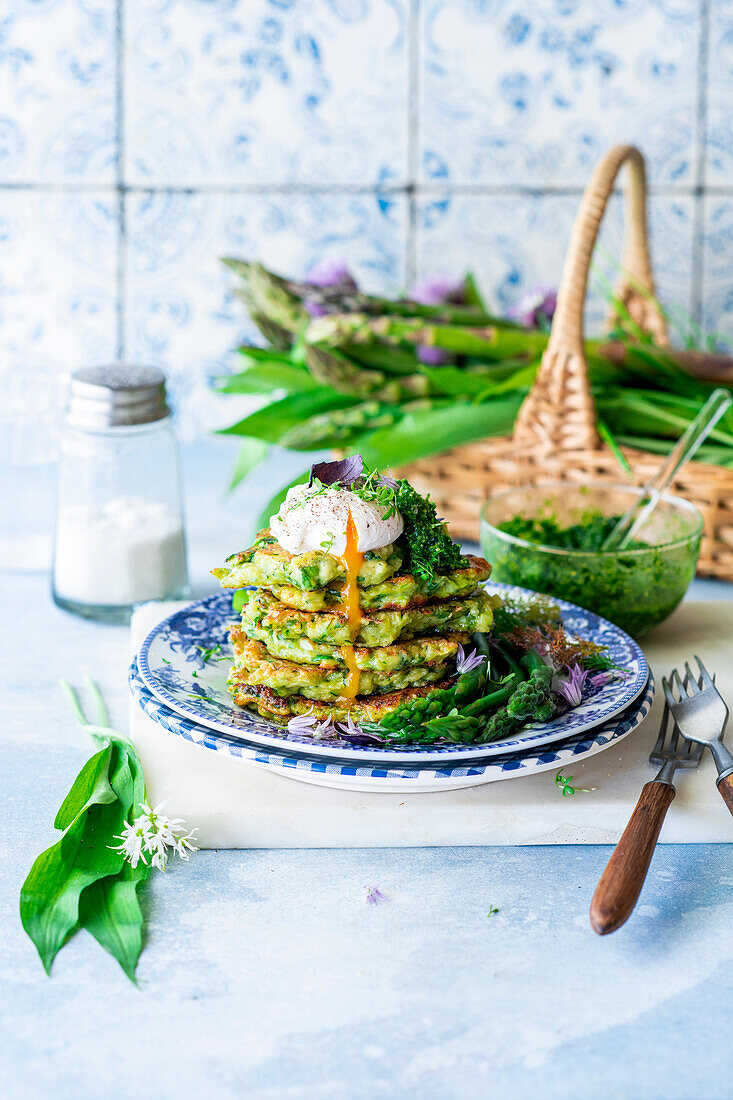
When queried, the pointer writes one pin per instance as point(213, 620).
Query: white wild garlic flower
point(153, 833)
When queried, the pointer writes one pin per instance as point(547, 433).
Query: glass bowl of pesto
point(548, 536)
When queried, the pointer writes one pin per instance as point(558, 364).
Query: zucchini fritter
point(365, 708)
point(267, 563)
point(254, 666)
point(389, 658)
point(377, 628)
point(395, 594)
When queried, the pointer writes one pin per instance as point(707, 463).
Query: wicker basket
point(555, 436)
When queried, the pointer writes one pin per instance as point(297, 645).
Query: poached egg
point(310, 520)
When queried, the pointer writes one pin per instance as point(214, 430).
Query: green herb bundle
point(83, 881)
point(355, 379)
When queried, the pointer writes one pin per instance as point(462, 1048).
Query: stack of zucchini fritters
point(294, 641)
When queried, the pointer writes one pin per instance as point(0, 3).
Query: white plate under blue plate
point(353, 776)
point(173, 665)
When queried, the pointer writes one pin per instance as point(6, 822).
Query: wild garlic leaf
point(90, 782)
point(49, 899)
point(110, 910)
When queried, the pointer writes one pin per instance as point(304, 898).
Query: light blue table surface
point(266, 976)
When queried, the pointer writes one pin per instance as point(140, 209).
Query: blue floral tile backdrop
point(140, 140)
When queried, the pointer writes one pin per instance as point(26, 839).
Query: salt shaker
point(119, 524)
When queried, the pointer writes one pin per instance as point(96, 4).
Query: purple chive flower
point(432, 357)
point(373, 895)
point(607, 676)
point(437, 290)
point(328, 273)
point(350, 728)
point(572, 688)
point(307, 725)
point(467, 662)
point(331, 273)
point(536, 308)
point(351, 731)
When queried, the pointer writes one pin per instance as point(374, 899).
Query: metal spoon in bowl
point(716, 405)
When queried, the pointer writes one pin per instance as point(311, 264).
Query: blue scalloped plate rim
point(172, 667)
point(355, 775)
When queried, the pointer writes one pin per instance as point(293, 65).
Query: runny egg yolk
point(351, 561)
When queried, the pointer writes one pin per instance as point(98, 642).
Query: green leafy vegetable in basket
point(397, 380)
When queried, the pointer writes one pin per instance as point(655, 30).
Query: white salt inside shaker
point(119, 530)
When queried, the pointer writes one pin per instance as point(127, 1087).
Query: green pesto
point(637, 587)
point(588, 534)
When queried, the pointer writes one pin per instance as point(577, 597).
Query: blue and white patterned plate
point(354, 776)
point(176, 665)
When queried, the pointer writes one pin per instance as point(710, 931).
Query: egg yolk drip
point(351, 561)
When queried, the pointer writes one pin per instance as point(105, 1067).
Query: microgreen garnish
point(209, 654)
point(165, 660)
point(328, 543)
point(195, 673)
point(565, 783)
point(492, 909)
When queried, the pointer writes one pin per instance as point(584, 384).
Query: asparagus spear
point(337, 426)
point(339, 300)
point(338, 329)
point(269, 298)
point(331, 368)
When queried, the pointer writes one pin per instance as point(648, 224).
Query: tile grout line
point(698, 238)
point(302, 189)
point(413, 149)
point(121, 190)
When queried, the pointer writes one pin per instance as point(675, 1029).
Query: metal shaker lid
point(116, 396)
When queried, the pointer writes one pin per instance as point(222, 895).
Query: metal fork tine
point(668, 693)
point(691, 748)
point(677, 679)
point(691, 680)
point(674, 737)
point(704, 674)
point(662, 730)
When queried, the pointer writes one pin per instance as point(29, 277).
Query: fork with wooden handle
point(701, 716)
point(620, 884)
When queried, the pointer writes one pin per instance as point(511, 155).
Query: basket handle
point(558, 412)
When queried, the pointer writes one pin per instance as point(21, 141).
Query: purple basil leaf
point(343, 471)
point(362, 739)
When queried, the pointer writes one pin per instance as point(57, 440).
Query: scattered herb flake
point(209, 654)
point(564, 782)
point(492, 909)
point(373, 895)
